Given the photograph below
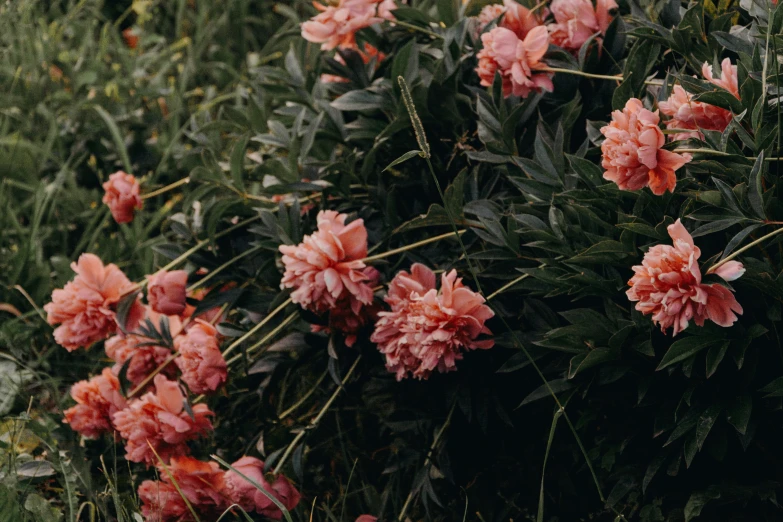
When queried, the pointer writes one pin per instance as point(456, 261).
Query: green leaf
point(697, 501)
point(358, 101)
point(448, 11)
point(35, 469)
point(405, 157)
point(729, 199)
point(684, 348)
point(41, 509)
point(238, 162)
point(738, 412)
point(754, 187)
point(715, 356)
point(705, 423)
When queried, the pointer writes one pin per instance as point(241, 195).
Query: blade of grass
point(256, 485)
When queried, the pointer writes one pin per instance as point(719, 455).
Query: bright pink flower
point(161, 420)
point(518, 61)
point(367, 518)
point(121, 194)
point(161, 502)
point(632, 153)
point(96, 401)
point(428, 329)
point(250, 498)
point(166, 292)
point(336, 25)
point(577, 20)
point(516, 17)
point(85, 307)
point(326, 268)
point(203, 367)
point(668, 285)
point(685, 113)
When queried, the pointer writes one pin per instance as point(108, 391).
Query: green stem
point(271, 335)
point(222, 267)
point(743, 249)
point(617, 78)
point(162, 190)
point(410, 247)
point(257, 327)
point(416, 28)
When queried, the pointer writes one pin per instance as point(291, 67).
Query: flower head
point(159, 419)
point(96, 401)
point(166, 292)
point(577, 20)
point(250, 498)
point(336, 25)
point(516, 17)
point(428, 329)
point(367, 518)
point(632, 153)
point(668, 286)
point(121, 194)
point(161, 502)
point(203, 367)
point(517, 60)
point(84, 307)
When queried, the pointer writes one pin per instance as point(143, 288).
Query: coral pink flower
point(668, 285)
point(577, 20)
point(84, 308)
point(122, 196)
point(203, 367)
point(161, 502)
point(685, 113)
point(159, 419)
point(516, 17)
point(166, 292)
point(131, 38)
point(632, 153)
point(143, 358)
point(518, 61)
point(367, 518)
point(96, 401)
point(426, 329)
point(326, 267)
point(336, 25)
point(250, 498)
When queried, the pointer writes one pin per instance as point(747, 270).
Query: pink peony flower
point(84, 308)
point(336, 25)
point(426, 329)
point(518, 61)
point(685, 113)
point(121, 194)
point(96, 401)
point(166, 292)
point(577, 20)
point(516, 17)
point(632, 153)
point(160, 419)
point(203, 367)
point(326, 268)
point(161, 502)
point(668, 285)
point(367, 518)
point(250, 498)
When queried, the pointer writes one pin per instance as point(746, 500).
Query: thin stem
point(702, 151)
point(507, 286)
point(743, 249)
point(617, 78)
point(30, 300)
point(318, 417)
point(288, 320)
point(416, 28)
point(257, 327)
point(143, 384)
point(306, 396)
point(411, 246)
point(222, 267)
point(162, 190)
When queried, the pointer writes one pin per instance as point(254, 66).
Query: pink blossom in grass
point(519, 61)
point(161, 502)
point(632, 153)
point(166, 291)
point(577, 20)
point(159, 419)
point(667, 285)
point(427, 329)
point(516, 17)
point(121, 194)
point(202, 364)
point(326, 267)
point(85, 307)
point(96, 401)
point(243, 493)
point(367, 518)
point(336, 25)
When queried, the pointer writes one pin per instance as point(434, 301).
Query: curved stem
point(288, 320)
point(306, 396)
point(162, 190)
point(257, 327)
point(411, 246)
point(507, 286)
point(222, 267)
point(743, 249)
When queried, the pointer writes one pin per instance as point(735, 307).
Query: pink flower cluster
point(577, 20)
point(632, 153)
point(97, 400)
point(516, 17)
point(121, 194)
point(685, 113)
point(203, 367)
point(667, 285)
point(517, 60)
point(336, 25)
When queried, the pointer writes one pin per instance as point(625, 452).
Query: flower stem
point(507, 286)
point(257, 327)
point(743, 249)
point(162, 190)
point(411, 246)
point(143, 384)
point(318, 417)
point(306, 396)
point(288, 320)
point(416, 28)
point(222, 267)
point(617, 78)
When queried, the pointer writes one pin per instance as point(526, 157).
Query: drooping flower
point(84, 308)
point(517, 60)
point(667, 285)
point(96, 401)
point(250, 498)
point(166, 292)
point(121, 194)
point(367, 518)
point(516, 17)
point(326, 267)
point(202, 364)
point(144, 358)
point(428, 329)
point(161, 502)
point(336, 25)
point(632, 155)
point(577, 20)
point(686, 113)
point(160, 419)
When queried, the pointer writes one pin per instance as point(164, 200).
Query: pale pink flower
point(632, 155)
point(428, 329)
point(730, 271)
point(121, 194)
point(367, 518)
point(96, 401)
point(326, 267)
point(336, 25)
point(203, 367)
point(166, 291)
point(668, 286)
point(159, 419)
point(161, 502)
point(518, 61)
point(516, 17)
point(250, 498)
point(577, 20)
point(685, 113)
point(84, 309)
